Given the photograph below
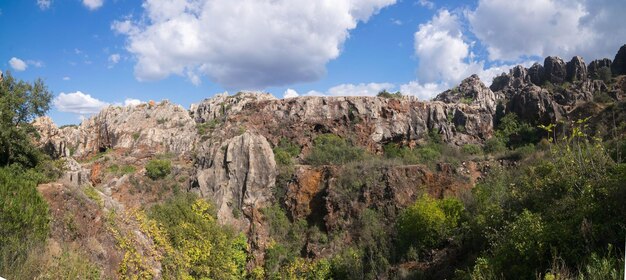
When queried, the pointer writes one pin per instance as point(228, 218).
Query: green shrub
point(386, 94)
point(471, 149)
point(158, 168)
point(285, 151)
point(203, 249)
point(24, 217)
point(427, 222)
point(602, 97)
point(332, 149)
point(495, 145)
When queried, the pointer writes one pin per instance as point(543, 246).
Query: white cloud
point(78, 103)
point(114, 59)
point(242, 44)
point(511, 30)
point(132, 102)
point(443, 54)
point(362, 89)
point(36, 63)
point(289, 93)
point(93, 4)
point(396, 21)
point(426, 3)
point(17, 64)
point(423, 91)
point(44, 4)
point(66, 78)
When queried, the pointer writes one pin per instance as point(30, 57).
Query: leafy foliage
point(23, 217)
point(202, 249)
point(427, 222)
point(20, 103)
point(386, 94)
point(332, 149)
point(158, 168)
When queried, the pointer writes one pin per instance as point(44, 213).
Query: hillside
point(478, 183)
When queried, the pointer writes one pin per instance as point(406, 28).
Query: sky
point(96, 53)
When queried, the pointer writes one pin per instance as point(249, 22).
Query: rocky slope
point(222, 149)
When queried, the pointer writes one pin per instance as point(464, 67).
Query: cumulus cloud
point(445, 57)
point(426, 3)
point(423, 91)
point(443, 54)
point(289, 93)
point(93, 4)
point(132, 102)
point(78, 103)
point(44, 4)
point(17, 64)
point(513, 30)
point(362, 89)
point(114, 59)
point(242, 44)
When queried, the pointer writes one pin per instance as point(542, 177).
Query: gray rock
point(220, 106)
point(595, 66)
point(237, 174)
point(576, 69)
point(618, 67)
point(554, 70)
point(536, 74)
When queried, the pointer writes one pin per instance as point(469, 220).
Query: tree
point(20, 103)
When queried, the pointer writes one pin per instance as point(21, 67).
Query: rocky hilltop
point(223, 149)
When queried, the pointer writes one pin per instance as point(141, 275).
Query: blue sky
point(92, 53)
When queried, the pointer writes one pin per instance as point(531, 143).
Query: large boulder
point(576, 69)
point(554, 69)
point(618, 67)
point(536, 74)
point(595, 66)
point(237, 174)
point(220, 106)
point(535, 105)
point(472, 91)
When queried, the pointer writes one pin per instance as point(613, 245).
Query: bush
point(427, 222)
point(332, 149)
point(285, 151)
point(158, 168)
point(386, 94)
point(202, 248)
point(23, 217)
point(494, 145)
point(471, 149)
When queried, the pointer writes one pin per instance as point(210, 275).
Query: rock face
point(221, 105)
point(51, 139)
point(157, 128)
point(554, 69)
point(535, 105)
point(238, 174)
point(618, 67)
point(594, 67)
point(471, 91)
point(576, 69)
point(536, 74)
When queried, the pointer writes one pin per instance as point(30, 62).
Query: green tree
point(20, 103)
point(158, 168)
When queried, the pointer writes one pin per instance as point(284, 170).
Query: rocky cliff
point(222, 148)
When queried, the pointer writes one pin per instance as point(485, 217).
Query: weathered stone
point(142, 129)
point(237, 174)
point(595, 66)
point(576, 69)
point(536, 74)
point(535, 105)
point(554, 69)
point(220, 106)
point(472, 91)
point(618, 67)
